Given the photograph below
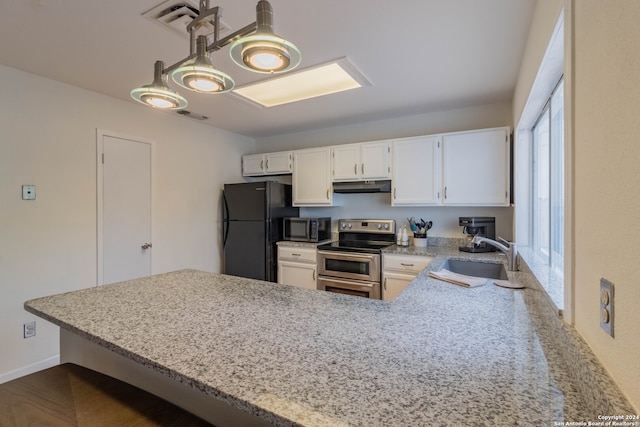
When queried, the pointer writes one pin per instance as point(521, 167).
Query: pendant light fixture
point(157, 94)
point(255, 47)
point(200, 75)
point(264, 51)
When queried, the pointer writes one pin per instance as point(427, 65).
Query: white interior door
point(124, 208)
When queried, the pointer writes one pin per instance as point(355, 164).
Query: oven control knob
point(386, 226)
point(379, 226)
point(343, 225)
point(349, 226)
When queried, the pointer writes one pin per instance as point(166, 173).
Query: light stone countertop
point(438, 355)
point(311, 245)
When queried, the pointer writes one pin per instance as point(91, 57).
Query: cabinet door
point(346, 162)
point(278, 163)
point(476, 168)
point(416, 171)
point(312, 177)
point(407, 264)
point(298, 274)
point(393, 284)
point(376, 160)
point(253, 165)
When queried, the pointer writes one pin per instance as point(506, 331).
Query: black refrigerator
point(252, 224)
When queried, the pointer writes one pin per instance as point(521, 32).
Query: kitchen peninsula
point(438, 354)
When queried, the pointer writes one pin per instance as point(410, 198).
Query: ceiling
point(419, 55)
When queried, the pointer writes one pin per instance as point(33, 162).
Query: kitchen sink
point(490, 270)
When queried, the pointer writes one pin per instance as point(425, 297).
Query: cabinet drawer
point(405, 263)
point(297, 254)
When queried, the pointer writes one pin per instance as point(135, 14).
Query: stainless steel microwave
point(307, 229)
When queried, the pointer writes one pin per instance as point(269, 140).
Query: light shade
point(157, 94)
point(200, 75)
point(264, 51)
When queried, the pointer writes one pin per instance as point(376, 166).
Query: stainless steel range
point(352, 264)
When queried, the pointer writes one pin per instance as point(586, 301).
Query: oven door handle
point(347, 257)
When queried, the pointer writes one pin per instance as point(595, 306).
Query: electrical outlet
point(29, 329)
point(606, 306)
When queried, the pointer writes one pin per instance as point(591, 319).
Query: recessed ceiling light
point(331, 77)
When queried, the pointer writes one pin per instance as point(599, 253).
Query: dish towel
point(458, 279)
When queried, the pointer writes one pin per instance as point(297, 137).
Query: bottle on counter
point(405, 236)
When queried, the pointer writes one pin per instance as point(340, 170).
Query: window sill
point(549, 280)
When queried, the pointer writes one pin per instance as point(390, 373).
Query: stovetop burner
point(363, 235)
point(355, 246)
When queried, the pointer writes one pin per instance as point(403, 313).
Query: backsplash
point(445, 218)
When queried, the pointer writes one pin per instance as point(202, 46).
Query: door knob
point(146, 246)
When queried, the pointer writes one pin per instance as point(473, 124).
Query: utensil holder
point(419, 240)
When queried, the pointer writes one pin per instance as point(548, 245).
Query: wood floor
point(72, 396)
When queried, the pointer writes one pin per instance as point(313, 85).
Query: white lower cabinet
point(297, 266)
point(398, 271)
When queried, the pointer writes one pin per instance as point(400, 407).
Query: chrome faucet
point(508, 248)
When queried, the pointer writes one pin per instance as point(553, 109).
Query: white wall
point(48, 245)
point(543, 23)
point(607, 178)
point(475, 117)
point(445, 219)
point(606, 195)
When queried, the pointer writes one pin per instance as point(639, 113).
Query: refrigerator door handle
point(225, 220)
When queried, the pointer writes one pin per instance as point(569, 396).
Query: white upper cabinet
point(279, 163)
point(363, 161)
point(312, 177)
point(416, 171)
point(376, 160)
point(267, 164)
point(253, 165)
point(346, 162)
point(476, 168)
point(471, 168)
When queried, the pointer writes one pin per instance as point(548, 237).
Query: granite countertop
point(292, 244)
point(439, 354)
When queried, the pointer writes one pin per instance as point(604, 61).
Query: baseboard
point(30, 369)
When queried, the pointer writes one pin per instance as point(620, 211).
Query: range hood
point(362, 187)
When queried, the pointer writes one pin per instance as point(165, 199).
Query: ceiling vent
point(191, 115)
point(177, 14)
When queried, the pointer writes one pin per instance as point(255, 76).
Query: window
point(547, 225)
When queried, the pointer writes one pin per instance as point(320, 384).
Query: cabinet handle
point(261, 164)
point(406, 265)
point(327, 194)
point(355, 169)
point(267, 165)
point(296, 254)
point(363, 169)
point(385, 284)
point(394, 193)
point(314, 274)
point(445, 192)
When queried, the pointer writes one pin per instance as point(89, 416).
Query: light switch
point(28, 192)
